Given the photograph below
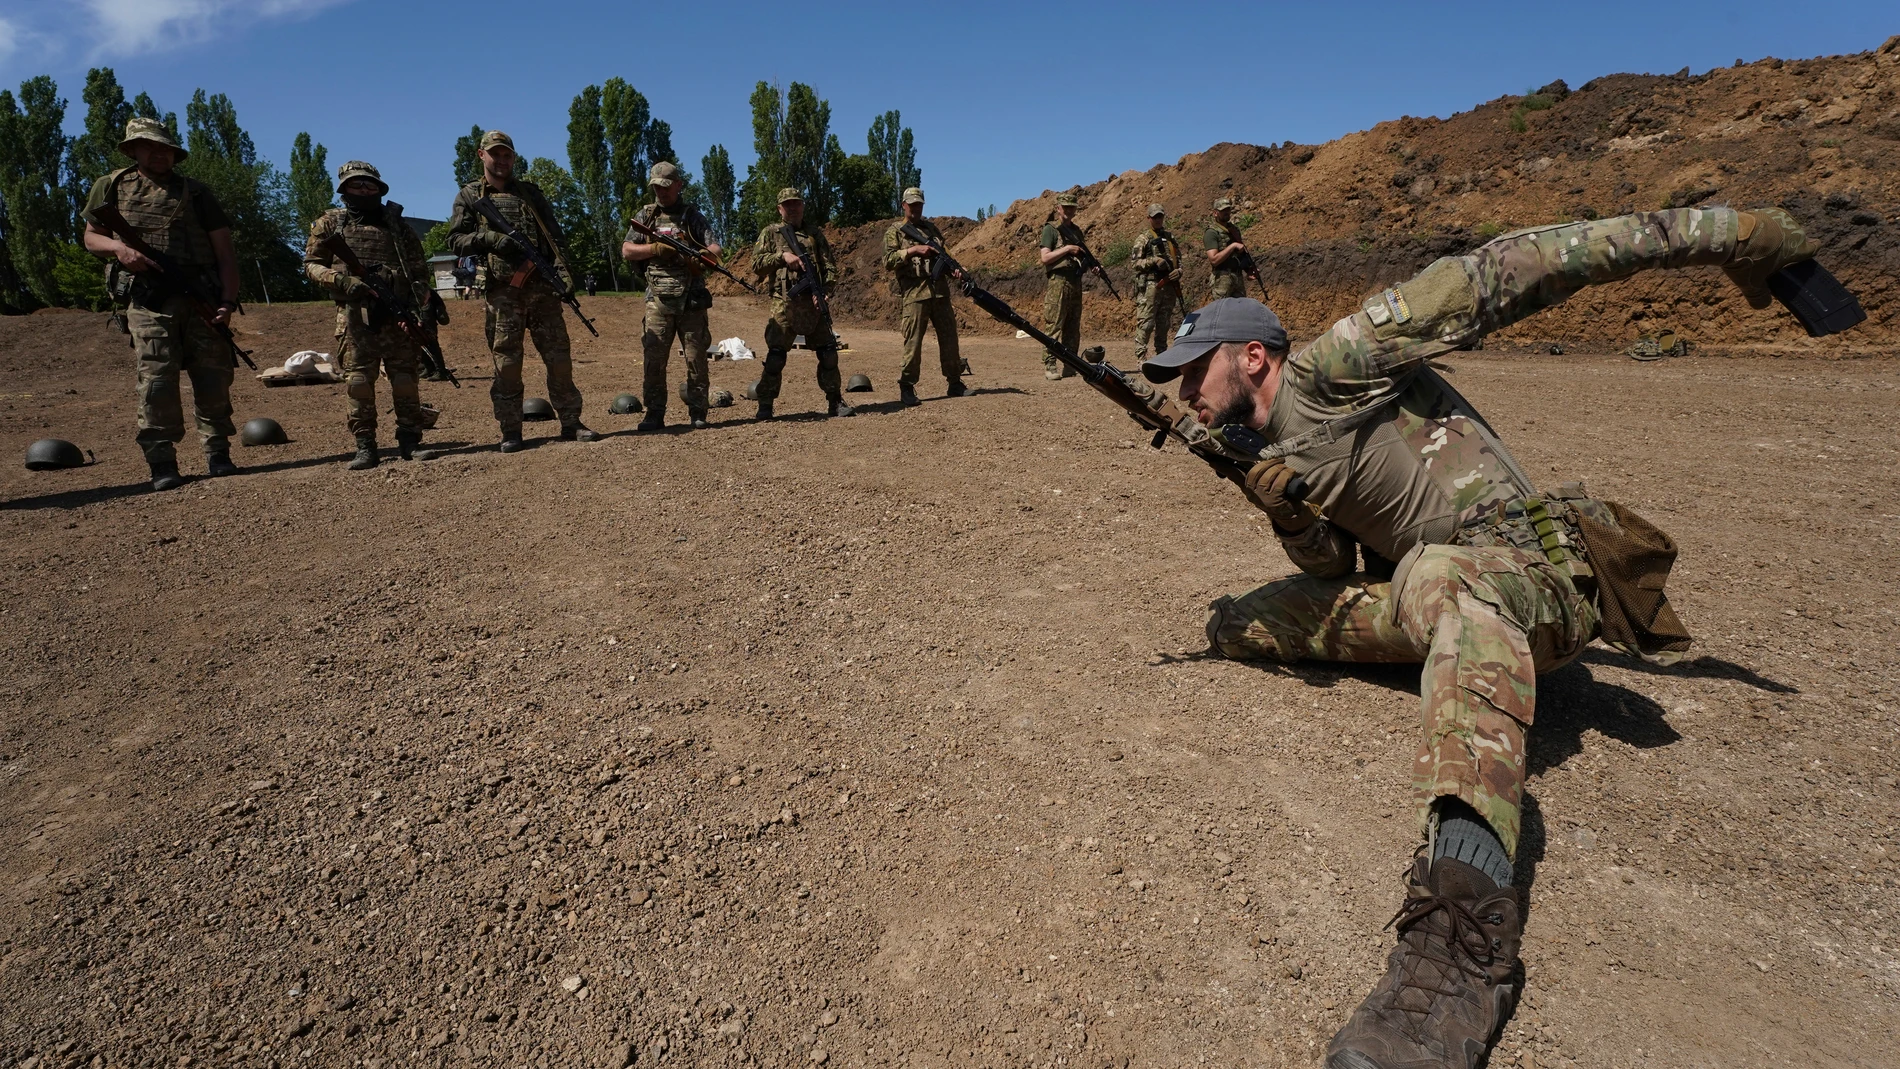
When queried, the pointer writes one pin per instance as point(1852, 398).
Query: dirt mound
point(1330, 222)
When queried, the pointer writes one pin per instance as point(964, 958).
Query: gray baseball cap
point(1240, 319)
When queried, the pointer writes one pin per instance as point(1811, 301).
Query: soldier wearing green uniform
point(1485, 580)
point(181, 220)
point(796, 314)
point(926, 299)
point(677, 297)
point(1223, 241)
point(520, 302)
point(368, 337)
point(1156, 259)
point(1061, 256)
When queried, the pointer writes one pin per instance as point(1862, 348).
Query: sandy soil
point(891, 740)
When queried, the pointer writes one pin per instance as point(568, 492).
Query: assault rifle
point(811, 279)
point(702, 257)
point(172, 278)
point(392, 306)
point(1244, 260)
point(1159, 415)
point(942, 262)
point(1090, 263)
point(536, 260)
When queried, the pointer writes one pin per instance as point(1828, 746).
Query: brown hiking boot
point(1448, 985)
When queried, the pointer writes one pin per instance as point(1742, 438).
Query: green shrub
point(1487, 231)
point(1246, 220)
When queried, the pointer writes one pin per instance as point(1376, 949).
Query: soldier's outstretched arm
point(1459, 299)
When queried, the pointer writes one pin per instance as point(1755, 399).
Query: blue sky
point(1006, 100)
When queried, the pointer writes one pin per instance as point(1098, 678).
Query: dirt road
point(891, 740)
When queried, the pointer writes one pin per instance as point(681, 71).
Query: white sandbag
point(733, 349)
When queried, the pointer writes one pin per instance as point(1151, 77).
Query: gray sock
point(1464, 836)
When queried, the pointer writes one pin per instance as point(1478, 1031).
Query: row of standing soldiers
point(181, 290)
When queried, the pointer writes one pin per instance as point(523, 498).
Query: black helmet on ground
point(858, 384)
point(537, 408)
point(263, 431)
point(52, 454)
point(625, 404)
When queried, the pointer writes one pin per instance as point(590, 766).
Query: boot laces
point(1463, 948)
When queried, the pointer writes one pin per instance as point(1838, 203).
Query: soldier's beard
point(1239, 406)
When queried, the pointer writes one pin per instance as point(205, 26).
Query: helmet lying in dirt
point(858, 384)
point(263, 431)
point(430, 414)
point(1656, 346)
point(625, 404)
point(721, 398)
point(537, 408)
point(752, 391)
point(52, 454)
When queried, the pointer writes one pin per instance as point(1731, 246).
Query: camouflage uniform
point(926, 303)
point(1157, 297)
point(364, 344)
point(176, 217)
point(1062, 301)
point(520, 302)
point(793, 317)
point(1228, 280)
point(1488, 589)
point(677, 300)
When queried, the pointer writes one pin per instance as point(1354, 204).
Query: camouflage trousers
point(1483, 621)
point(514, 313)
point(667, 320)
point(789, 322)
point(171, 340)
point(1062, 317)
point(1227, 284)
point(935, 313)
point(1156, 316)
point(361, 353)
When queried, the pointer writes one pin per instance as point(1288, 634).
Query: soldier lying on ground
point(1485, 581)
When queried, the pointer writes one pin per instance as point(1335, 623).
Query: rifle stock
point(174, 278)
point(535, 257)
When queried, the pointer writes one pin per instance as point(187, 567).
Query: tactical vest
point(165, 215)
point(1069, 266)
point(1152, 245)
point(670, 274)
point(1227, 233)
point(514, 208)
point(785, 276)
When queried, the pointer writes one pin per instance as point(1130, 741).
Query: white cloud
point(124, 27)
point(12, 36)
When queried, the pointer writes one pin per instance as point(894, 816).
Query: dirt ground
point(891, 740)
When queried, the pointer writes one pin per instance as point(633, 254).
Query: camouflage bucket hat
point(663, 173)
point(913, 195)
point(1156, 209)
point(359, 169)
point(150, 130)
point(1065, 200)
point(1223, 202)
point(496, 137)
point(788, 193)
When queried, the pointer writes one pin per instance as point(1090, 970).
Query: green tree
point(894, 147)
point(864, 191)
point(571, 215)
point(468, 165)
point(624, 116)
point(589, 169)
point(767, 172)
point(39, 215)
point(807, 144)
point(436, 241)
point(721, 194)
point(81, 278)
point(95, 153)
point(311, 193)
point(253, 193)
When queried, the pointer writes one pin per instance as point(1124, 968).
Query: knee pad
point(361, 387)
point(1237, 638)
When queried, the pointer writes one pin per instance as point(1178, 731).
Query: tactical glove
point(501, 244)
point(353, 288)
point(1770, 239)
point(1266, 487)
